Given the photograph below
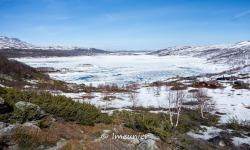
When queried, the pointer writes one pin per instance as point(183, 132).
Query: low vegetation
point(175, 85)
point(59, 106)
point(241, 85)
point(212, 84)
point(238, 125)
point(160, 125)
point(32, 138)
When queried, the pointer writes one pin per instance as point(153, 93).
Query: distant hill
point(13, 47)
point(18, 71)
point(234, 54)
point(18, 75)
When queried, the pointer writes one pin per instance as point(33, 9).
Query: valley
point(205, 89)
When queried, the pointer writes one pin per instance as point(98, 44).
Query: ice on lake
point(122, 69)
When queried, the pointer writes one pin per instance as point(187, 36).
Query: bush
point(235, 124)
point(28, 114)
point(59, 106)
point(240, 85)
point(104, 118)
point(159, 124)
point(191, 119)
point(144, 122)
point(46, 122)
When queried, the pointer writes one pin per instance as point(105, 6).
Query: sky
point(126, 24)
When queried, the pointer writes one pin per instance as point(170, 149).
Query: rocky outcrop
point(149, 143)
point(24, 105)
point(6, 129)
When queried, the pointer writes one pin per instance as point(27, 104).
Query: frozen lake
point(140, 69)
point(122, 69)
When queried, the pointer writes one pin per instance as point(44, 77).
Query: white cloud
point(242, 14)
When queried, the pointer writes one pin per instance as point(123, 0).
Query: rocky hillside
point(18, 75)
point(234, 54)
point(13, 47)
point(17, 70)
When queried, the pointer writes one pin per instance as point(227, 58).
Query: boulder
point(148, 143)
point(31, 125)
point(151, 136)
point(6, 129)
point(105, 135)
point(1, 100)
point(23, 106)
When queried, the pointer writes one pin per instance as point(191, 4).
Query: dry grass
point(67, 130)
point(27, 137)
point(74, 145)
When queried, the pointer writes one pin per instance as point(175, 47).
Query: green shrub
point(159, 124)
point(22, 116)
point(145, 122)
point(5, 117)
point(45, 122)
point(192, 118)
point(240, 85)
point(235, 124)
point(59, 106)
point(104, 118)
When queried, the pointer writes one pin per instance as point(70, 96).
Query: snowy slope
point(15, 43)
point(15, 48)
point(8, 43)
point(234, 54)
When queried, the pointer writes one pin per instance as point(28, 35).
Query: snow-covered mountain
point(15, 43)
point(234, 54)
point(9, 43)
point(13, 47)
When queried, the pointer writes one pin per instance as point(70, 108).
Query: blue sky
point(126, 24)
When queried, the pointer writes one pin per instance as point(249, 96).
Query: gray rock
point(21, 105)
point(222, 144)
point(149, 143)
point(31, 125)
point(6, 129)
point(1, 100)
point(152, 137)
point(3, 125)
point(105, 135)
point(59, 145)
point(134, 141)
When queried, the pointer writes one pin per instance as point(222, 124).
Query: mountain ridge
point(14, 47)
point(234, 54)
